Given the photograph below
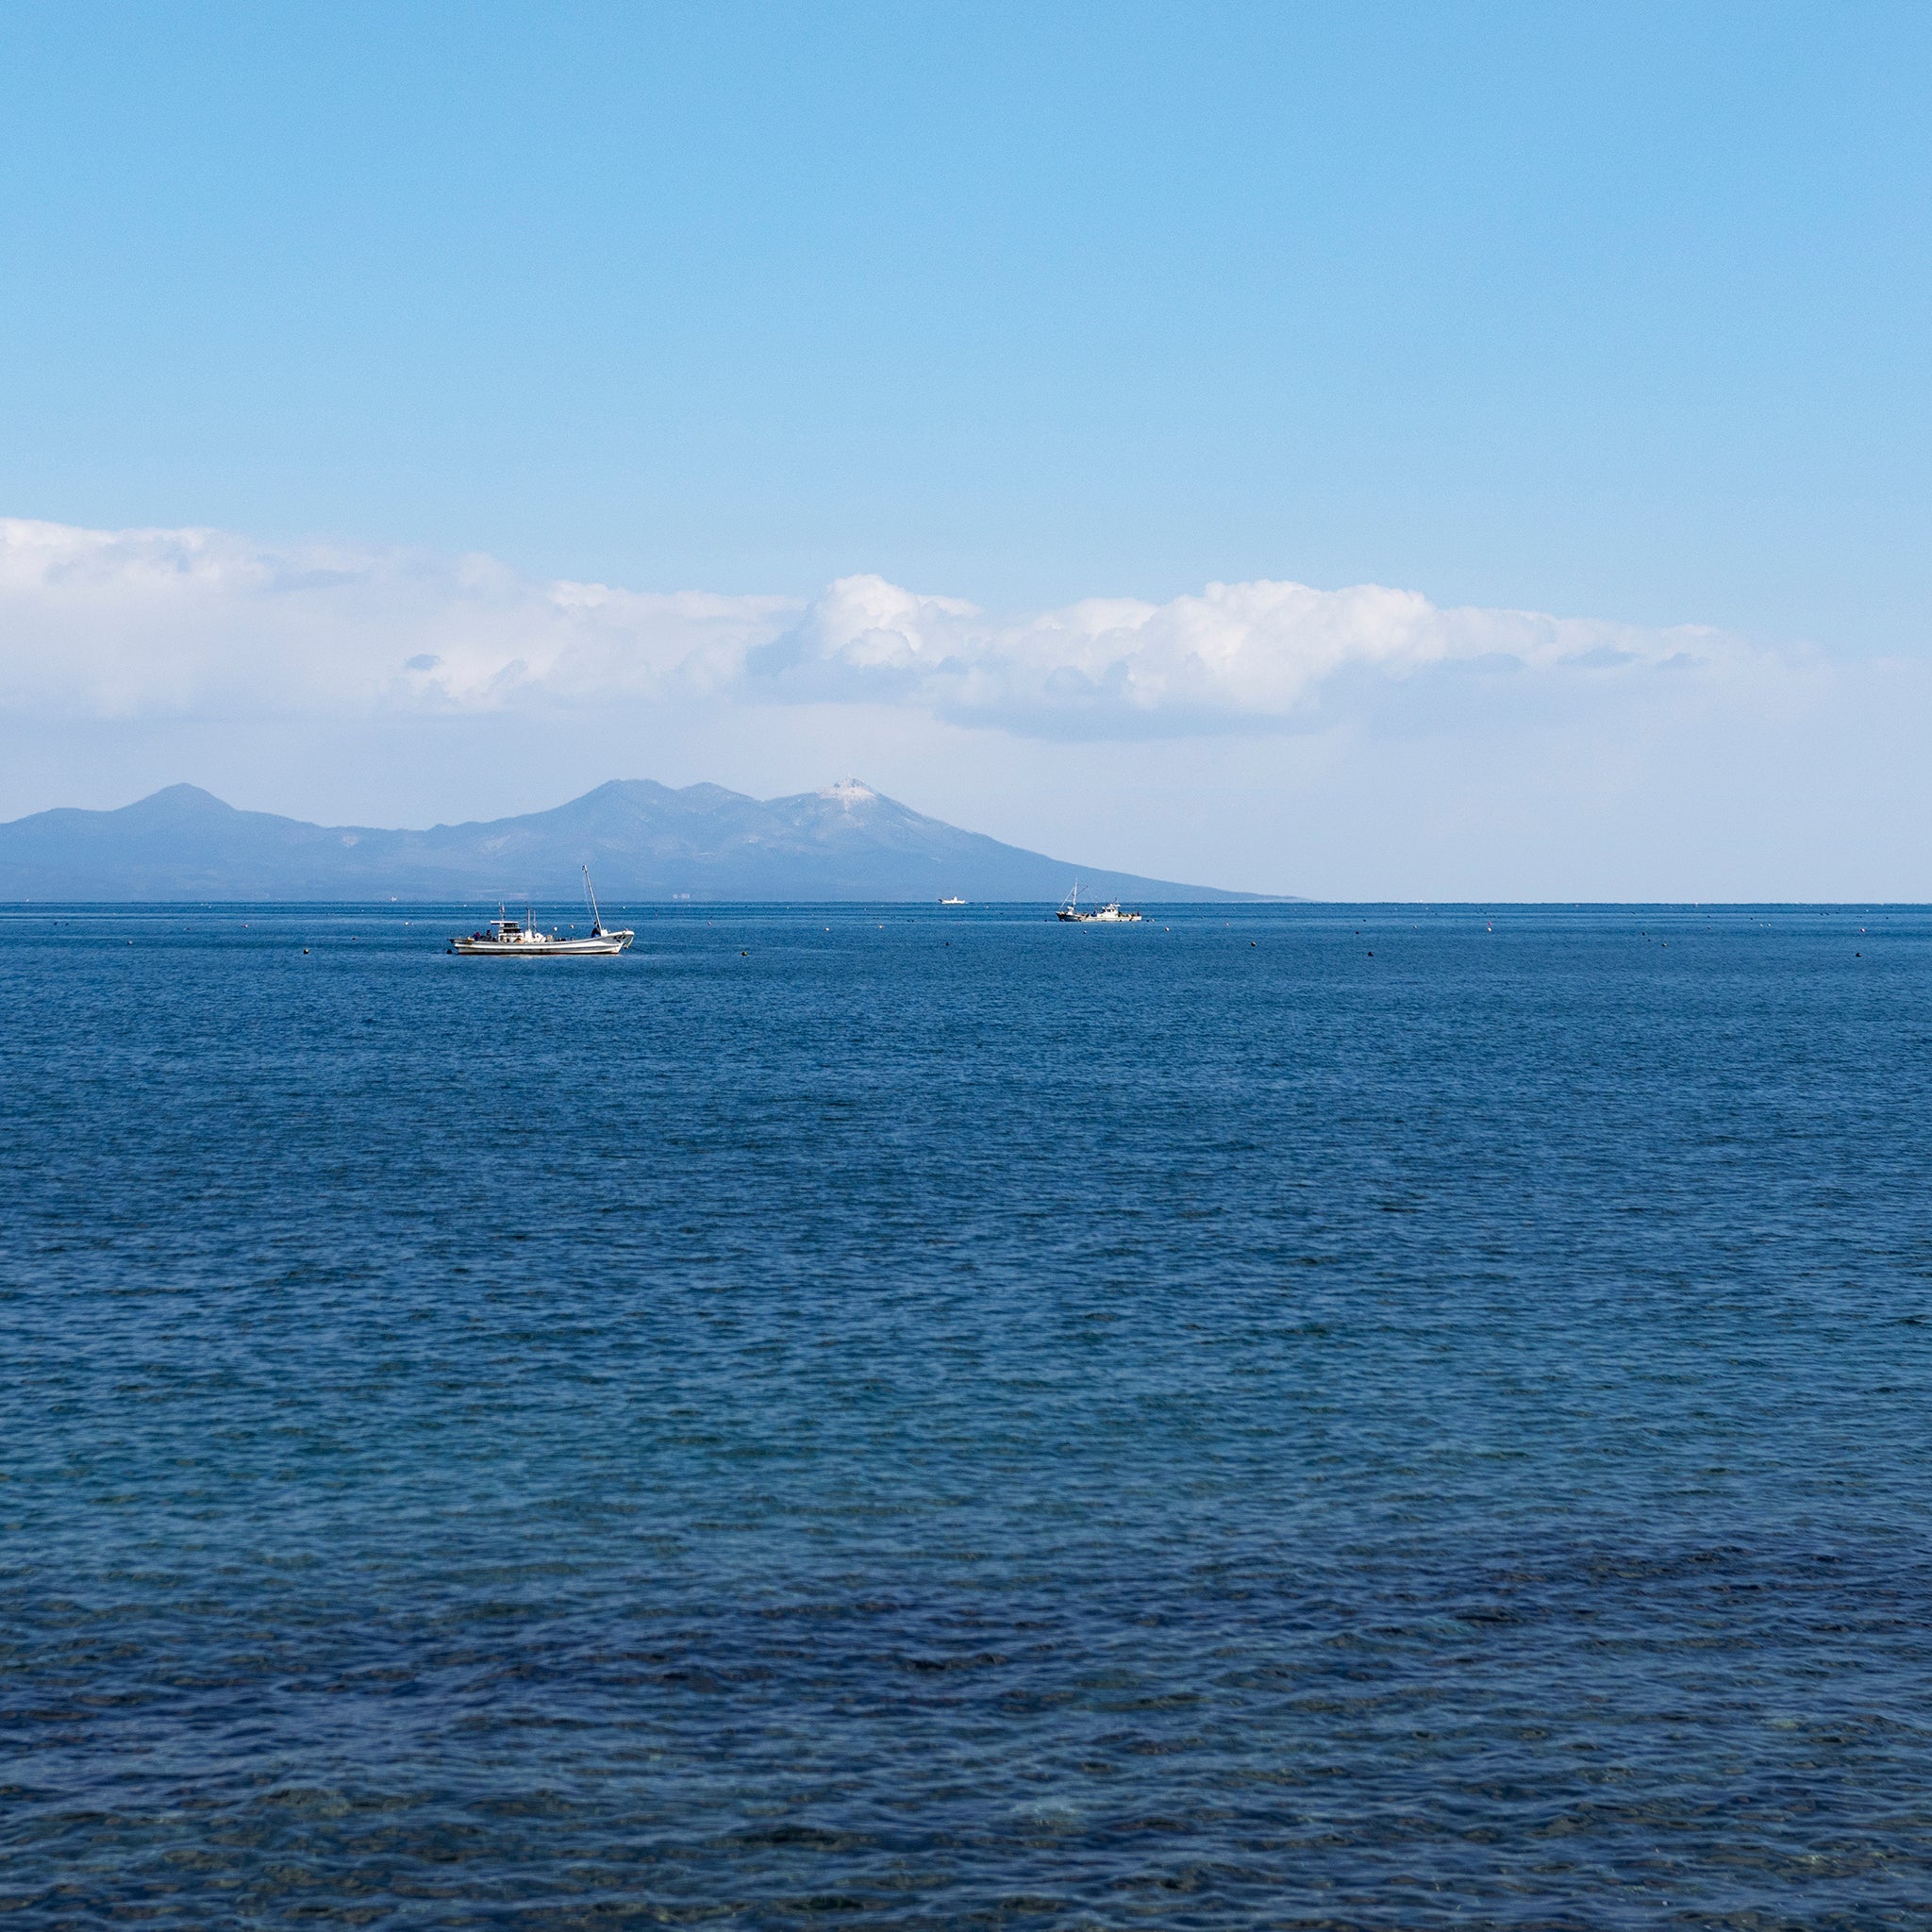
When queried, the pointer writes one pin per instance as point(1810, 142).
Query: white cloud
point(142, 622)
point(1236, 653)
point(138, 623)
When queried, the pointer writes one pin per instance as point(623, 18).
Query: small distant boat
point(952, 902)
point(506, 938)
point(1109, 914)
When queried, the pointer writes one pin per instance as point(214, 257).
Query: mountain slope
point(641, 840)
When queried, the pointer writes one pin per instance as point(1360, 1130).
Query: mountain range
point(641, 840)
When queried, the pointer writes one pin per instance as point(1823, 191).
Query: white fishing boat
point(1109, 914)
point(952, 902)
point(521, 939)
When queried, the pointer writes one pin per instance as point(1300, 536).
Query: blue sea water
point(1288, 1416)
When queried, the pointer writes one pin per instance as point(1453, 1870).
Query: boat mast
point(597, 917)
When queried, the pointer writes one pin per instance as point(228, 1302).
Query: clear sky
point(1617, 313)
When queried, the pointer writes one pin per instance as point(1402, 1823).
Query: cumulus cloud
point(137, 623)
point(1235, 653)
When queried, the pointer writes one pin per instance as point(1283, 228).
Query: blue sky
point(1620, 315)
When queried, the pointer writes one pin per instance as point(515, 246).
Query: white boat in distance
point(509, 938)
point(952, 902)
point(1109, 914)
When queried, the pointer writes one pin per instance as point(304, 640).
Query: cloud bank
point(191, 623)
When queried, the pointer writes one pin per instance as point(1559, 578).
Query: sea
point(1290, 1416)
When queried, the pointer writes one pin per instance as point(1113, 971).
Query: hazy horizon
point(1253, 896)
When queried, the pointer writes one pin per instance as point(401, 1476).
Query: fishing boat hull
point(601, 945)
point(1073, 913)
point(506, 938)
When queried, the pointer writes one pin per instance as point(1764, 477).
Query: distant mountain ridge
point(641, 840)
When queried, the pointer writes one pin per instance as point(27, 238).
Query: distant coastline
point(644, 842)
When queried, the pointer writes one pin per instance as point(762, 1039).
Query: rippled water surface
point(1293, 1417)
